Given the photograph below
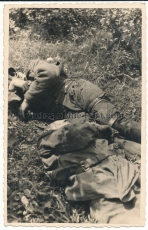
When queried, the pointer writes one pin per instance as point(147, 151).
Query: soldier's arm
point(23, 108)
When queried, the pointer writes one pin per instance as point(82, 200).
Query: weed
point(32, 196)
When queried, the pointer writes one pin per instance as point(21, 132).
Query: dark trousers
point(91, 99)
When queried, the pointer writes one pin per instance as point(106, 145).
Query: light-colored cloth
point(113, 211)
point(113, 178)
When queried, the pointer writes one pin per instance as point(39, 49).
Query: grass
point(90, 60)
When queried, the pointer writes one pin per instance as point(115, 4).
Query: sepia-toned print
point(75, 114)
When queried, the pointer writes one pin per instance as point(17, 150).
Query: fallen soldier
point(90, 162)
point(51, 92)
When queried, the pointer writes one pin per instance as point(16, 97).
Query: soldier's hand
point(23, 109)
point(18, 83)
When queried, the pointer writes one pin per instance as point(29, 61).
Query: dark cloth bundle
point(78, 157)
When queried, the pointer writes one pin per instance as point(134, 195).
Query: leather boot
point(129, 129)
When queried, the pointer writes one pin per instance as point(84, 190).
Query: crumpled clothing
point(81, 134)
point(70, 145)
point(113, 178)
point(113, 211)
point(92, 171)
point(62, 151)
point(60, 168)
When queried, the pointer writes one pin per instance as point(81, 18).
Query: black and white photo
point(75, 78)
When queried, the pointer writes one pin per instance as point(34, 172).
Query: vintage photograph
point(75, 114)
